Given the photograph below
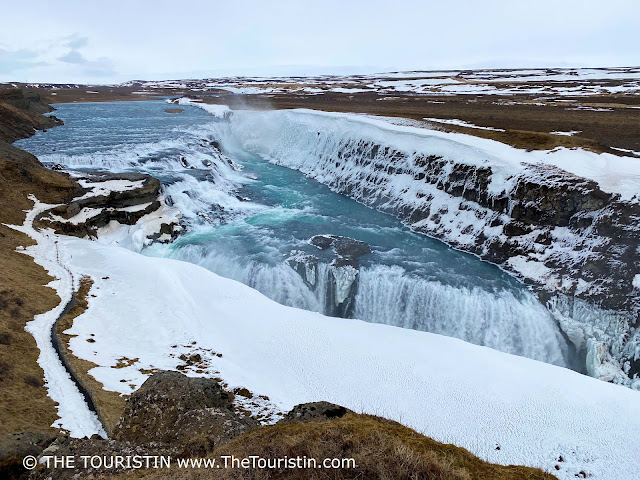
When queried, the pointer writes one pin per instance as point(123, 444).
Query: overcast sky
point(106, 42)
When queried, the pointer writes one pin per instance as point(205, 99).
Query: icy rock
point(305, 265)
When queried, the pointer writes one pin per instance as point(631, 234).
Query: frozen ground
point(504, 408)
point(544, 82)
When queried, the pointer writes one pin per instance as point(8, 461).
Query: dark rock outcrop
point(140, 197)
point(306, 266)
point(342, 284)
point(314, 412)
point(171, 408)
point(348, 250)
point(342, 273)
point(15, 446)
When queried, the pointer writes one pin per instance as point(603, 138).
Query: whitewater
point(244, 217)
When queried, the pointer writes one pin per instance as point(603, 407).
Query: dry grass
point(109, 405)
point(381, 448)
point(24, 404)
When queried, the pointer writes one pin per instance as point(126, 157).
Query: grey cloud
point(16, 60)
point(100, 67)
point(76, 41)
point(74, 56)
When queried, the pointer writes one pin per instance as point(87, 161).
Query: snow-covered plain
point(543, 82)
point(154, 309)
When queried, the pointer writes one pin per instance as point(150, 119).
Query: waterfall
point(513, 322)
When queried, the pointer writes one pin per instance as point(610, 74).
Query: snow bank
point(155, 309)
point(218, 111)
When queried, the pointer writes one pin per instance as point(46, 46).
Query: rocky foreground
point(181, 417)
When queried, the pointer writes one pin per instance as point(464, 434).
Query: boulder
point(315, 412)
point(171, 408)
point(15, 446)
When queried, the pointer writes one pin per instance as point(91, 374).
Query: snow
point(461, 123)
point(154, 309)
point(344, 277)
point(636, 281)
point(218, 111)
point(568, 134)
point(564, 81)
point(74, 414)
point(136, 237)
point(529, 268)
point(626, 150)
point(106, 187)
point(82, 216)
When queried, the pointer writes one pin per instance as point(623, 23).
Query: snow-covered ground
point(558, 81)
point(154, 309)
point(75, 416)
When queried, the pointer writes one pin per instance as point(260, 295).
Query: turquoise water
point(244, 218)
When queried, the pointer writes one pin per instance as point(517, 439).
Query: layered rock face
point(21, 114)
point(111, 202)
point(576, 244)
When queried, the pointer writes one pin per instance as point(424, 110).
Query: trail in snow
point(75, 415)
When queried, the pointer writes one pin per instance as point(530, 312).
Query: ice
point(461, 123)
point(291, 138)
point(344, 277)
point(219, 111)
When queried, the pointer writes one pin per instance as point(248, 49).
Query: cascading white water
point(278, 282)
point(513, 322)
point(249, 241)
point(516, 324)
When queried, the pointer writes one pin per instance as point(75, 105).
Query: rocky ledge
point(170, 414)
point(111, 205)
